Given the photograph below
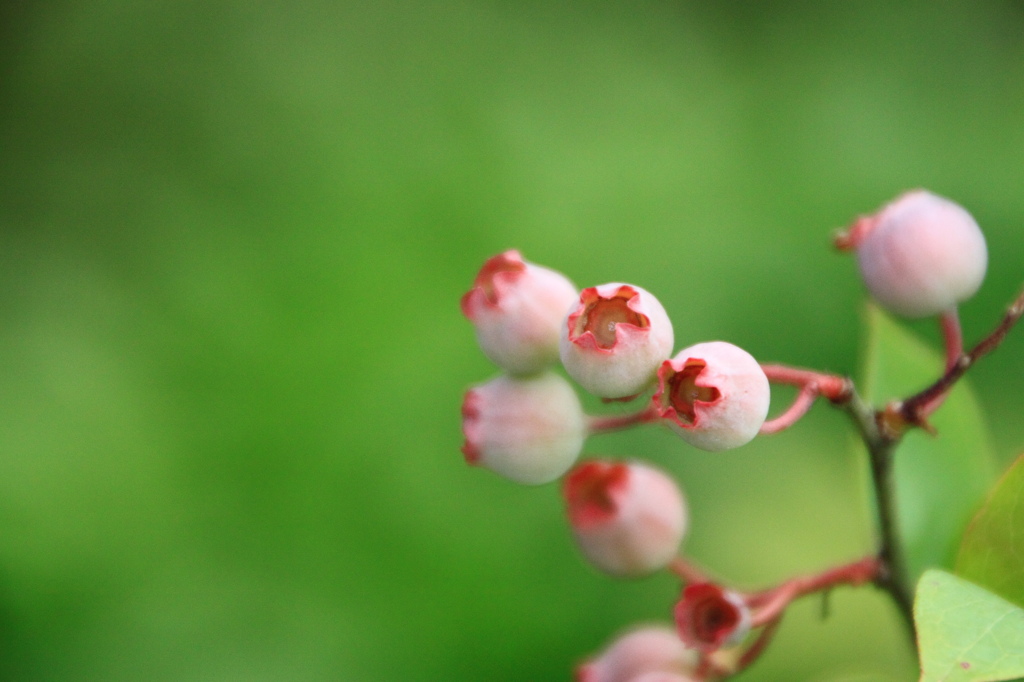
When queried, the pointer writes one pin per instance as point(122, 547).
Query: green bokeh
point(232, 241)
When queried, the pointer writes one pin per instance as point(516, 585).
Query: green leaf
point(966, 633)
point(992, 551)
point(940, 480)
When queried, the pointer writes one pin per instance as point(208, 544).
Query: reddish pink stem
point(811, 385)
point(798, 409)
point(833, 387)
point(953, 339)
point(617, 422)
point(707, 670)
point(760, 644)
point(850, 238)
point(772, 603)
point(953, 336)
point(688, 571)
point(909, 410)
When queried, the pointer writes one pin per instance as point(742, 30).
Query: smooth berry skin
point(714, 395)
point(921, 255)
point(660, 676)
point(517, 310)
point(614, 338)
point(528, 429)
point(628, 519)
point(645, 650)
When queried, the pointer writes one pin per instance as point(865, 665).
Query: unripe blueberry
point(627, 518)
point(709, 618)
point(528, 429)
point(517, 309)
point(921, 254)
point(659, 676)
point(644, 650)
point(714, 395)
point(614, 338)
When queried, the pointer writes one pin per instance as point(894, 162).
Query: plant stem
point(688, 572)
point(892, 576)
point(912, 410)
point(804, 400)
point(811, 385)
point(952, 336)
point(759, 645)
point(832, 386)
point(606, 423)
point(881, 431)
point(771, 604)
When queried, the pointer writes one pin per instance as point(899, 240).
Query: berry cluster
point(920, 255)
point(615, 341)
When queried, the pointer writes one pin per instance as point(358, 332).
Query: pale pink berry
point(920, 255)
point(528, 429)
point(614, 339)
point(709, 617)
point(659, 676)
point(517, 309)
point(627, 518)
point(650, 649)
point(714, 395)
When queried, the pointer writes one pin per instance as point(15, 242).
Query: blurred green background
point(233, 236)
